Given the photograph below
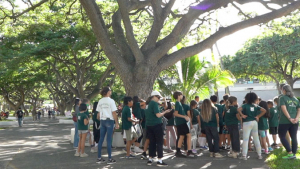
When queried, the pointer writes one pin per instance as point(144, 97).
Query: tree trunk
point(140, 82)
point(62, 108)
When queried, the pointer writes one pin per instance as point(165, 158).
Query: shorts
point(221, 129)
point(262, 133)
point(273, 130)
point(183, 129)
point(130, 134)
point(82, 131)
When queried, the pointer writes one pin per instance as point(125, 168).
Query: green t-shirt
point(80, 121)
point(195, 116)
point(137, 111)
point(87, 113)
point(263, 123)
point(220, 112)
point(143, 117)
point(126, 113)
point(95, 118)
point(273, 120)
point(230, 116)
point(151, 118)
point(186, 108)
point(213, 120)
point(292, 104)
point(251, 111)
point(179, 108)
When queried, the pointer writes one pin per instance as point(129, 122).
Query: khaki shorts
point(82, 131)
point(130, 134)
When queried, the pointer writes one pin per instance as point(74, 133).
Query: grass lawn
point(275, 160)
point(6, 120)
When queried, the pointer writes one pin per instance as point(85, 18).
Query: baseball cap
point(156, 93)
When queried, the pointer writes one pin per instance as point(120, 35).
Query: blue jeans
point(76, 136)
point(106, 126)
point(20, 121)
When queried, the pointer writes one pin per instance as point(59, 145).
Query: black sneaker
point(149, 162)
point(179, 154)
point(144, 156)
point(100, 161)
point(111, 161)
point(222, 148)
point(190, 154)
point(161, 164)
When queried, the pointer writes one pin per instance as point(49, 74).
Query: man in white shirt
point(108, 117)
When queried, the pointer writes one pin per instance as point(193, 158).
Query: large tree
point(139, 61)
point(272, 56)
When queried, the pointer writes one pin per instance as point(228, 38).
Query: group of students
point(150, 124)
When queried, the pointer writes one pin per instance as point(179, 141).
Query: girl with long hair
point(263, 126)
point(210, 118)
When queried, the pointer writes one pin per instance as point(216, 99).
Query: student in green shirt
point(83, 121)
point(263, 126)
point(137, 112)
point(210, 119)
point(289, 120)
point(195, 122)
point(127, 121)
point(187, 111)
point(181, 119)
point(231, 119)
point(214, 100)
point(250, 114)
point(155, 129)
point(273, 121)
point(87, 102)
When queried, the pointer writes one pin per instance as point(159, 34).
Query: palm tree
point(197, 79)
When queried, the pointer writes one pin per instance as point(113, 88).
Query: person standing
point(289, 120)
point(107, 115)
point(96, 127)
point(210, 116)
point(20, 115)
point(136, 110)
point(273, 121)
point(39, 114)
point(155, 129)
point(250, 114)
point(75, 114)
point(83, 121)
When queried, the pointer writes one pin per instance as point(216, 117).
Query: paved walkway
point(46, 145)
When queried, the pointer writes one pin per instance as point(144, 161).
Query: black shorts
point(183, 129)
point(203, 132)
point(273, 130)
point(221, 129)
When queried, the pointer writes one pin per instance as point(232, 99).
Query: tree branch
point(123, 7)
point(168, 60)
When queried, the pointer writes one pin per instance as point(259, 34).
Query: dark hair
point(270, 102)
point(85, 100)
point(276, 100)
point(222, 101)
point(149, 100)
point(244, 102)
point(95, 104)
point(281, 85)
point(264, 105)
point(127, 99)
point(105, 90)
point(183, 100)
point(251, 98)
point(225, 97)
point(77, 100)
point(214, 98)
point(82, 107)
point(177, 94)
point(196, 97)
point(229, 102)
point(135, 100)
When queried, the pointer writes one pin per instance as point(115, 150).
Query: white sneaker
point(93, 150)
point(83, 155)
point(77, 154)
point(138, 150)
point(218, 155)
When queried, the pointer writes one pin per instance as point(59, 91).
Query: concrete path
point(46, 145)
